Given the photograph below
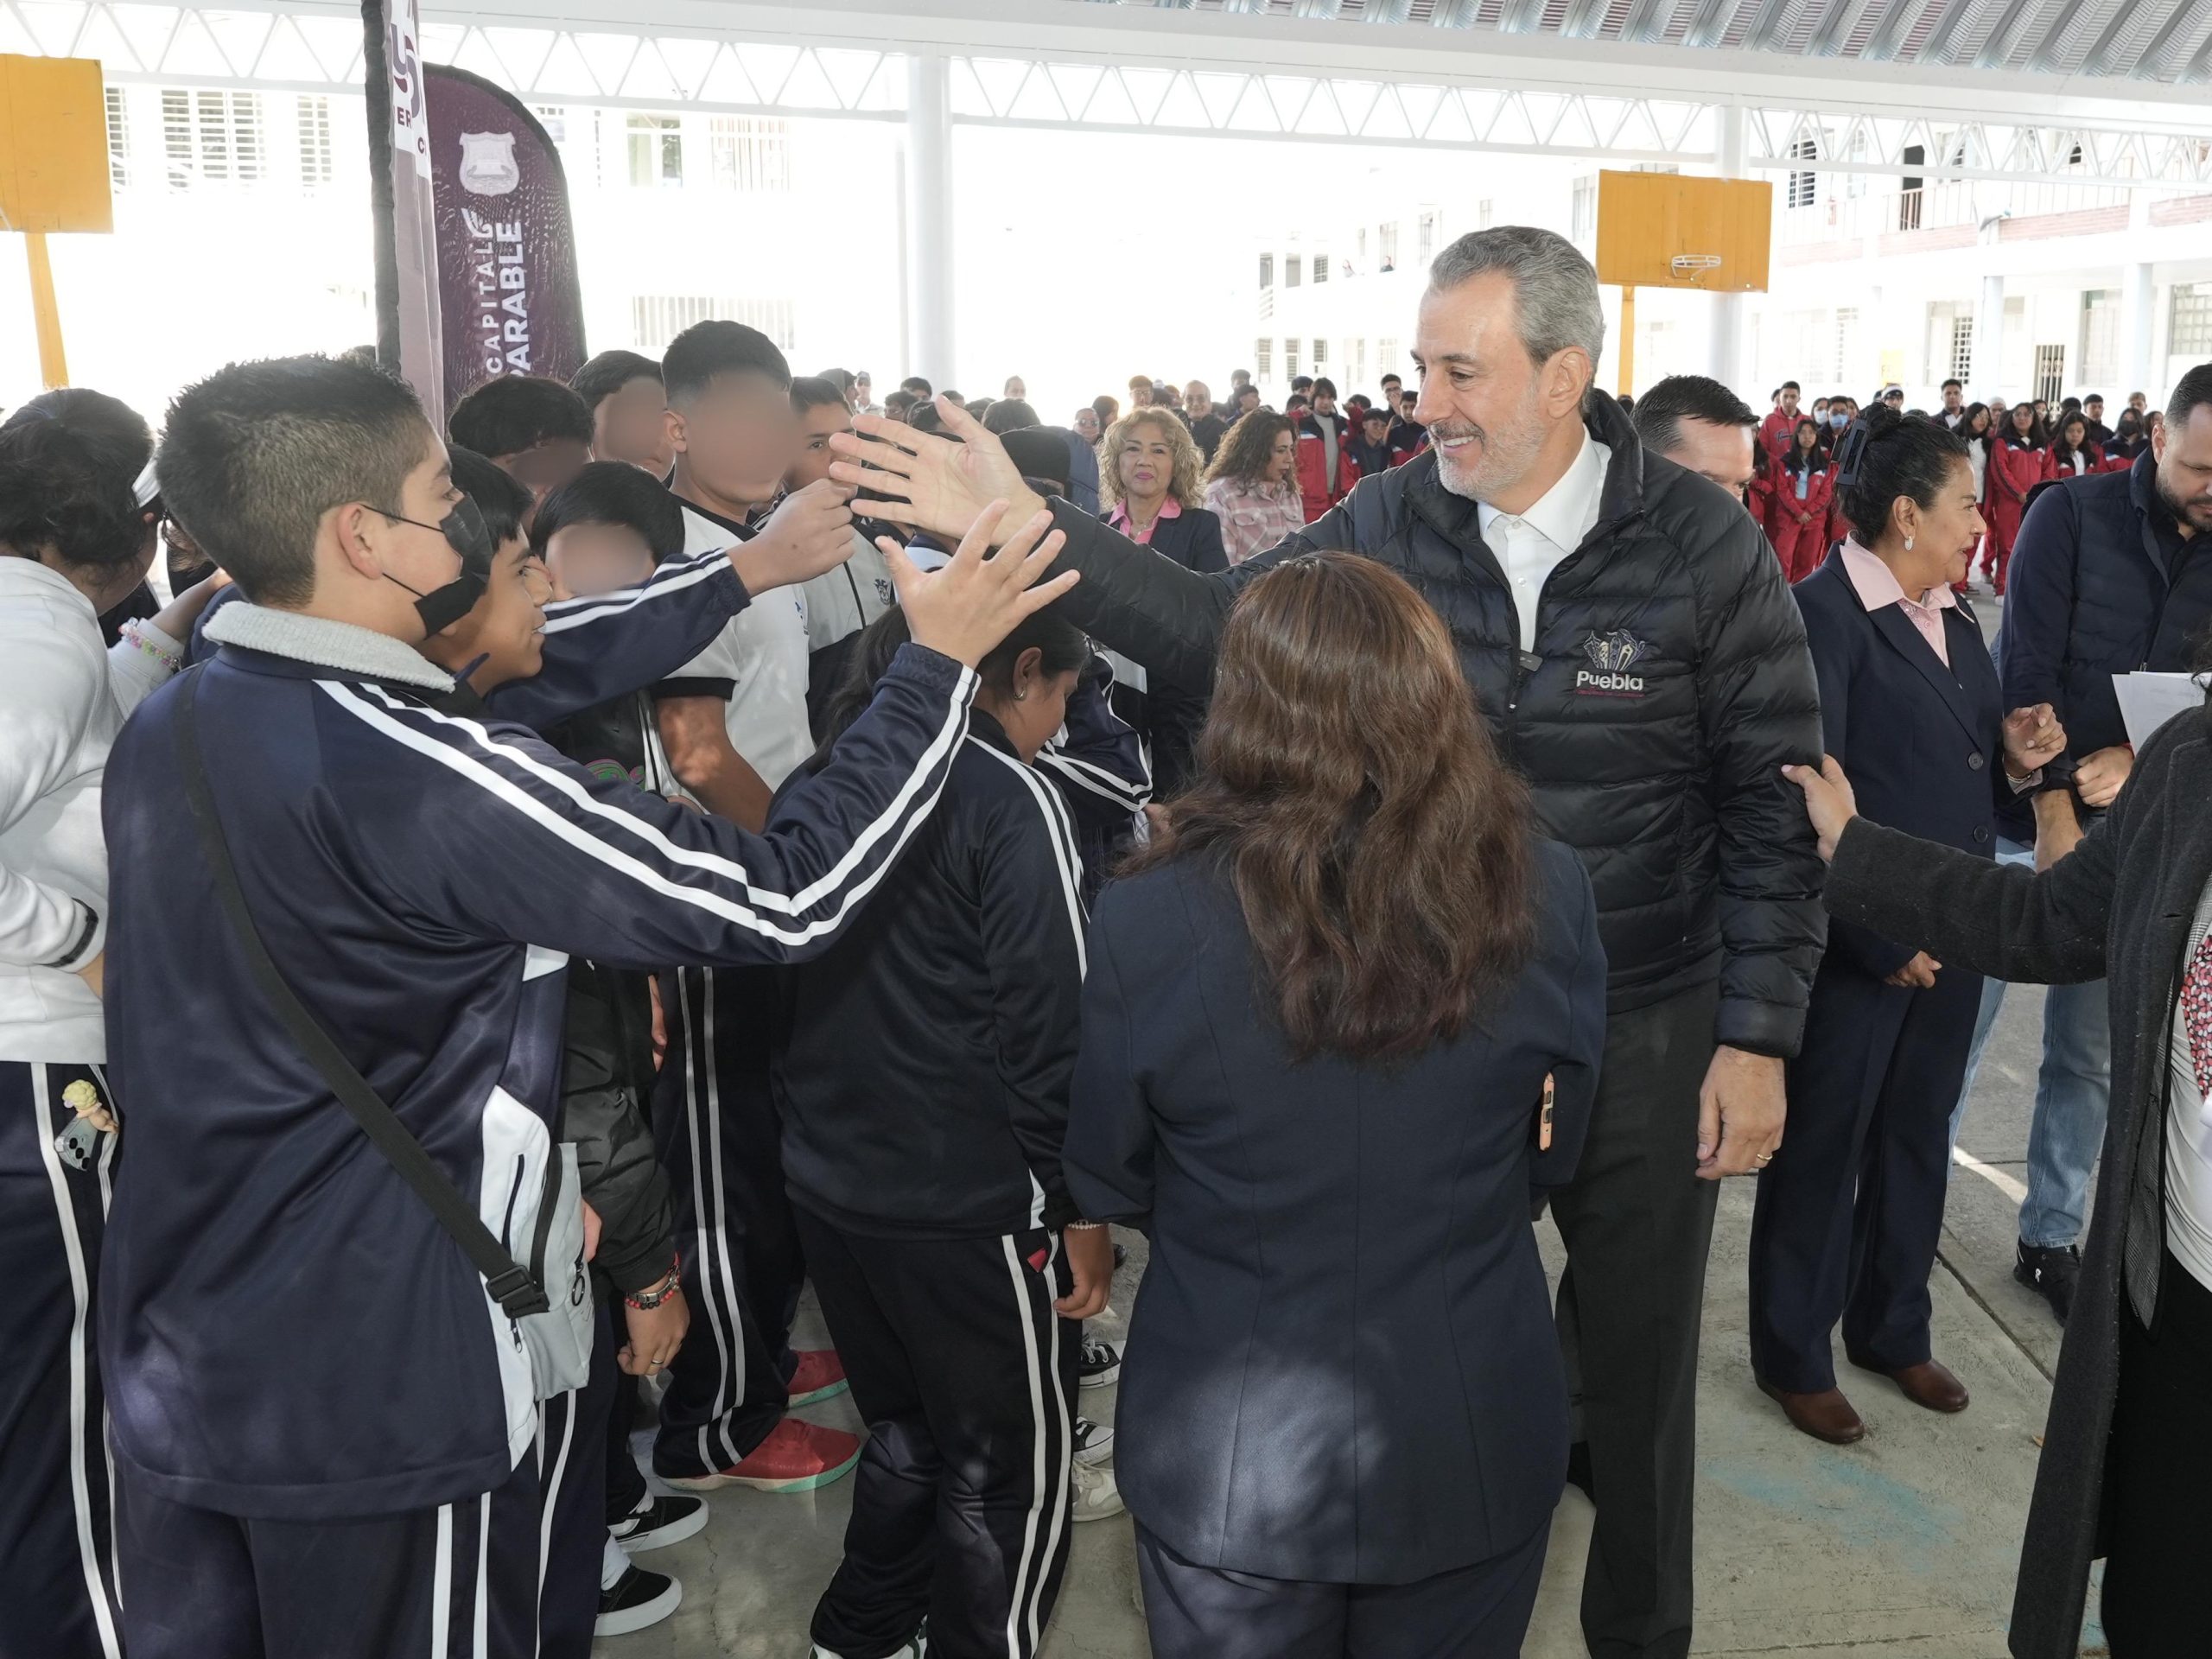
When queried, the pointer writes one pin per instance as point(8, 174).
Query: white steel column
point(1989, 340)
point(2136, 293)
point(1727, 351)
point(929, 217)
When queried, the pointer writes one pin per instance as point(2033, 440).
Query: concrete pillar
point(2137, 372)
point(1989, 344)
point(1727, 350)
point(929, 217)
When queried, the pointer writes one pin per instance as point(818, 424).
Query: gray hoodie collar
point(319, 640)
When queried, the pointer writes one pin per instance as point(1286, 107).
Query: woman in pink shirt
point(1251, 488)
point(1847, 1214)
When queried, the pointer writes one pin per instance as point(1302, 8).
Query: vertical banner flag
point(409, 332)
point(506, 250)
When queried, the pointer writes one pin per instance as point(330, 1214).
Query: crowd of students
point(507, 908)
point(2013, 449)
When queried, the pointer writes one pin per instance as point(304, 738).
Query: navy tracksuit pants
point(967, 1380)
point(715, 1128)
point(57, 1579)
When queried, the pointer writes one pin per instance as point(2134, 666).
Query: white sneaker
point(1097, 1498)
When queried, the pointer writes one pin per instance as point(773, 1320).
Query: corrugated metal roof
point(2168, 41)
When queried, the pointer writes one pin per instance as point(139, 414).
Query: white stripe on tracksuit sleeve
point(526, 846)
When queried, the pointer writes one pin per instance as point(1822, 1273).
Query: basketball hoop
point(1690, 267)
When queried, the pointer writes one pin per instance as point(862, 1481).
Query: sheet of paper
point(2149, 701)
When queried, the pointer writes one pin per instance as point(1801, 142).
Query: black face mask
point(465, 533)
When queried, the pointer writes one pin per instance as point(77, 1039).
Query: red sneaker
point(820, 1376)
point(796, 1457)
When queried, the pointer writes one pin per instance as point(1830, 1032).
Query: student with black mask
point(397, 864)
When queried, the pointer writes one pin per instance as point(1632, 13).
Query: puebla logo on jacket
point(1612, 657)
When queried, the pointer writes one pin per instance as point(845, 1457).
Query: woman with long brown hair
point(1343, 1015)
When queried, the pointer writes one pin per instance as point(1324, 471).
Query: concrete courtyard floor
point(1902, 1547)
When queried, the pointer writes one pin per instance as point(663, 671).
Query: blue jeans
point(2073, 1089)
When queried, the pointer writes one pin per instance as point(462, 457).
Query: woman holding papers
point(1848, 1211)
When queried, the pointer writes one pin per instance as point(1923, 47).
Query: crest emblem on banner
point(487, 164)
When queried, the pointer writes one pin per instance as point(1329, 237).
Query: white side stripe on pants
point(81, 1298)
point(1047, 1483)
point(441, 1587)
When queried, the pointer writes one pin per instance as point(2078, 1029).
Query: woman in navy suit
point(1848, 1211)
point(1340, 1025)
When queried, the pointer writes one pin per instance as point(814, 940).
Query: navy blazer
point(1341, 1365)
point(1923, 744)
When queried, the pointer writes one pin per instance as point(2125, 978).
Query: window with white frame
point(1266, 270)
point(118, 139)
point(2100, 358)
point(315, 163)
point(1294, 271)
point(656, 318)
point(1321, 267)
point(1804, 187)
point(1583, 224)
point(656, 150)
point(211, 137)
point(1359, 358)
point(1264, 358)
point(1290, 358)
point(1961, 359)
point(1386, 357)
point(750, 154)
point(2189, 332)
point(1483, 214)
point(1386, 246)
point(2050, 373)
point(1320, 354)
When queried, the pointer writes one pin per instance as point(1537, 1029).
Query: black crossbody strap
point(509, 1282)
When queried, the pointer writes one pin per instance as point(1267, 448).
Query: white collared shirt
point(1531, 544)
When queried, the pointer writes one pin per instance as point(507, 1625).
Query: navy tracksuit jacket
point(285, 1331)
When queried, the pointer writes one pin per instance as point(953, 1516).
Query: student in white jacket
point(72, 529)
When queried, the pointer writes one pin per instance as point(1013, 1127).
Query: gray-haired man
point(1625, 627)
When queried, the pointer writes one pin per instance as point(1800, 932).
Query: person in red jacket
point(2016, 464)
point(1777, 431)
point(1759, 496)
point(1803, 486)
point(1326, 471)
point(2072, 452)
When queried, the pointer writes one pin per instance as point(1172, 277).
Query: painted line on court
point(1997, 1178)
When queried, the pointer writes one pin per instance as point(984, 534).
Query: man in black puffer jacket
point(1628, 633)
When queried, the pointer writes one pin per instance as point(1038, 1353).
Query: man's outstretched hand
point(966, 608)
point(929, 483)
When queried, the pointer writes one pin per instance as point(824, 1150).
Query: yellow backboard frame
point(1654, 227)
point(54, 164)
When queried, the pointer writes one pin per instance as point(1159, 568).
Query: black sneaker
point(1094, 1442)
point(1101, 1363)
point(2050, 1273)
point(636, 1600)
point(659, 1522)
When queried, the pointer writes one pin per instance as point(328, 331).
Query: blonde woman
point(1251, 487)
point(1149, 489)
point(1148, 468)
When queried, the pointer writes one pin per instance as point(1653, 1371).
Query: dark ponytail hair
point(1059, 643)
point(1885, 456)
point(73, 491)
